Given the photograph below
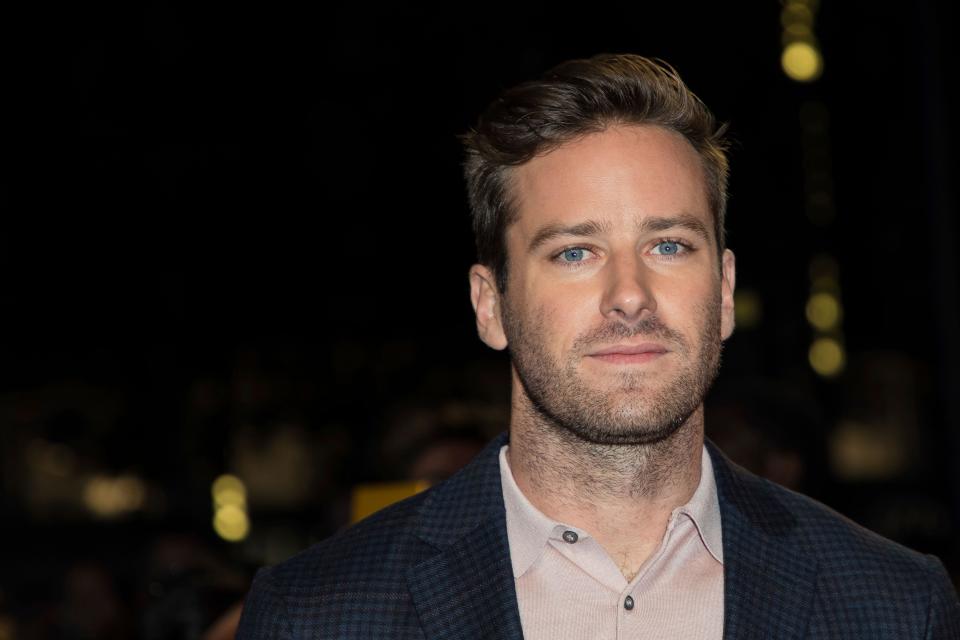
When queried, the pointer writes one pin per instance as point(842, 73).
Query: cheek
point(686, 308)
point(554, 324)
point(569, 324)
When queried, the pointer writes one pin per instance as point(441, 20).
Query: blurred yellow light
point(865, 451)
point(370, 498)
point(231, 523)
point(747, 309)
point(797, 31)
point(796, 13)
point(108, 497)
point(802, 62)
point(229, 489)
point(827, 357)
point(823, 311)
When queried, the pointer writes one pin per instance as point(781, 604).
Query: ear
point(486, 304)
point(728, 282)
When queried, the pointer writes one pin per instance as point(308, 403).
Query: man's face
point(615, 306)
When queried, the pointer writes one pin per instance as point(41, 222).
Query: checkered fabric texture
point(438, 566)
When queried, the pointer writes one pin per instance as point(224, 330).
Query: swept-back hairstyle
point(571, 100)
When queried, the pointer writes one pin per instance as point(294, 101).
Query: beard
point(633, 407)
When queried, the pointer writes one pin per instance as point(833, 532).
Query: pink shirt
point(569, 588)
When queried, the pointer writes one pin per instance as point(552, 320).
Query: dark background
point(235, 239)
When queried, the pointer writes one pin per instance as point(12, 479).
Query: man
point(598, 196)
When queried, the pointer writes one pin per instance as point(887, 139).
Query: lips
point(629, 353)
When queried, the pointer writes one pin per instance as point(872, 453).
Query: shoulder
point(805, 525)
point(371, 547)
point(862, 572)
point(842, 545)
point(357, 579)
point(360, 571)
point(859, 574)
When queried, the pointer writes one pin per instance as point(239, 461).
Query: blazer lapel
point(465, 589)
point(769, 581)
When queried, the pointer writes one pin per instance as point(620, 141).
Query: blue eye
point(667, 248)
point(572, 255)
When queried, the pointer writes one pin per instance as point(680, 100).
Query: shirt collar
point(529, 529)
point(704, 509)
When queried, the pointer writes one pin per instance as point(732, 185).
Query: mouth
point(629, 353)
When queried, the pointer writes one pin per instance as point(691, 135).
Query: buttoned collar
point(529, 529)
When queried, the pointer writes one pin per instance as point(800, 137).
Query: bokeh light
point(795, 13)
point(823, 311)
point(802, 61)
point(230, 519)
point(229, 490)
point(109, 497)
point(748, 309)
point(231, 523)
point(827, 357)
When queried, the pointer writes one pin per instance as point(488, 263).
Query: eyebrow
point(682, 221)
point(596, 227)
point(551, 231)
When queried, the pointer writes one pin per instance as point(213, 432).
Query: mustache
point(650, 327)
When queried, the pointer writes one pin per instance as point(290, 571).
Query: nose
point(627, 296)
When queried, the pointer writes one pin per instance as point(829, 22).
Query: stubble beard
point(638, 407)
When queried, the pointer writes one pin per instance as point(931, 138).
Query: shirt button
point(628, 603)
point(570, 536)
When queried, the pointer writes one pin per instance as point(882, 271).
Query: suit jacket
point(438, 566)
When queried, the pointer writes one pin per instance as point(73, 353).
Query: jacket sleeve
point(943, 618)
point(264, 612)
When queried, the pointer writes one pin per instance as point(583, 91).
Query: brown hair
point(571, 100)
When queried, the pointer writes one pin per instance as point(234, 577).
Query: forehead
point(620, 175)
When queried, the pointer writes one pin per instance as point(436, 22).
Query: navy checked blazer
point(437, 565)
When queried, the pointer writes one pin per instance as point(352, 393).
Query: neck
point(550, 461)
point(622, 494)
